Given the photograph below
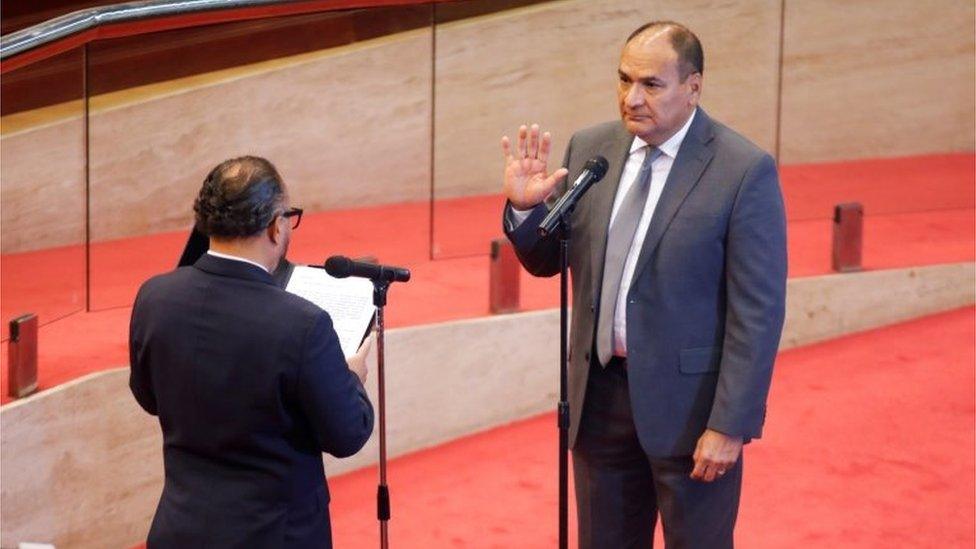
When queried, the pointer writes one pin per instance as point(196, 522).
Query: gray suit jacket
point(706, 304)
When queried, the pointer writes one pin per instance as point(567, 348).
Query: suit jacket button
point(587, 357)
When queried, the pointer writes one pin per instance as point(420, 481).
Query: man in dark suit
point(248, 381)
point(678, 262)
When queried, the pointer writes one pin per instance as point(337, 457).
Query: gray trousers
point(620, 490)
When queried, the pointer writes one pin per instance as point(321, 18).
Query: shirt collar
point(671, 146)
point(236, 258)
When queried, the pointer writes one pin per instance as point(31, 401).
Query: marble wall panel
point(82, 463)
point(42, 185)
point(345, 127)
point(824, 307)
point(863, 78)
point(556, 64)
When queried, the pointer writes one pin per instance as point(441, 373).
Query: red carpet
point(907, 224)
point(884, 186)
point(869, 444)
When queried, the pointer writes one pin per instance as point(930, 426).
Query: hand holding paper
point(357, 362)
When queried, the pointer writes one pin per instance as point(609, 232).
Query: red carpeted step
point(869, 443)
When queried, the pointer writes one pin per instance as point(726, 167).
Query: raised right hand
point(526, 182)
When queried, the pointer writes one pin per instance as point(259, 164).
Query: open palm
point(527, 182)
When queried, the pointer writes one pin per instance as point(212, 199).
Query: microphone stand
point(562, 409)
point(557, 220)
point(380, 288)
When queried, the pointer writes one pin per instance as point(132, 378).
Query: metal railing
point(74, 29)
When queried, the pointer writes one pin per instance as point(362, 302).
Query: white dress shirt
point(660, 170)
point(236, 258)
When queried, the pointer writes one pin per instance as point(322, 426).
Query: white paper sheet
point(349, 301)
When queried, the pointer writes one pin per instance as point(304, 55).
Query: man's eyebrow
point(649, 78)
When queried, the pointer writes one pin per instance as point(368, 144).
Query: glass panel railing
point(339, 101)
point(42, 189)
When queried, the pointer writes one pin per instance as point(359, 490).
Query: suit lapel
point(616, 150)
point(693, 156)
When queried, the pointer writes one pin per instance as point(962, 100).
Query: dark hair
point(239, 198)
point(691, 59)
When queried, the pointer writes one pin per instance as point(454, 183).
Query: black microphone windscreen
point(598, 166)
point(338, 266)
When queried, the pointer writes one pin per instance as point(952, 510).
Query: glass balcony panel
point(42, 189)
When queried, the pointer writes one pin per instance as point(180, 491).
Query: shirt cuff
point(514, 218)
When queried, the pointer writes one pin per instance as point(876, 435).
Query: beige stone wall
point(82, 465)
point(863, 78)
point(42, 186)
point(346, 127)
point(556, 64)
point(819, 308)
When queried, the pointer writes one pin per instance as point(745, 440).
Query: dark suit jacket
point(250, 387)
point(706, 304)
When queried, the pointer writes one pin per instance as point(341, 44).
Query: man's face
point(654, 102)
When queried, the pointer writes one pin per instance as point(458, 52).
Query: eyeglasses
point(294, 215)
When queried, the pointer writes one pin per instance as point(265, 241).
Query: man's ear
point(273, 231)
point(695, 83)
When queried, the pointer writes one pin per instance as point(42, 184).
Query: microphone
point(340, 266)
point(593, 171)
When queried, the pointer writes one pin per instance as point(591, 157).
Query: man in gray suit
point(678, 261)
